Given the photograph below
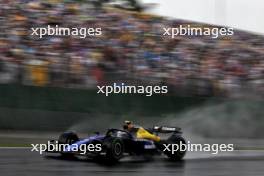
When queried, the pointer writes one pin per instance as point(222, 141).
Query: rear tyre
point(178, 155)
point(114, 149)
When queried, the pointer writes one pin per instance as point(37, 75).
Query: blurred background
point(131, 50)
point(49, 84)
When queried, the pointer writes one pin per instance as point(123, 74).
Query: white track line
point(15, 147)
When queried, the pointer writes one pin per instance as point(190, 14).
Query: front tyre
point(68, 138)
point(114, 149)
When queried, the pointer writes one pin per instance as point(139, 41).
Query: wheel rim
point(118, 149)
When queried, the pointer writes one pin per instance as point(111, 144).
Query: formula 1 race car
point(117, 143)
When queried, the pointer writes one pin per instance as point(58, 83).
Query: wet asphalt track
point(22, 162)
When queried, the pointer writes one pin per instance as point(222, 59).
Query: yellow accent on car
point(144, 134)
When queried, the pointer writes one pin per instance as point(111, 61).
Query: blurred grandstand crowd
point(131, 50)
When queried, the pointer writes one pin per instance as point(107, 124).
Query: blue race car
point(117, 143)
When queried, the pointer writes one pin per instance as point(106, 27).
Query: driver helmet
point(127, 125)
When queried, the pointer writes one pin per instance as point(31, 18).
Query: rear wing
point(164, 129)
